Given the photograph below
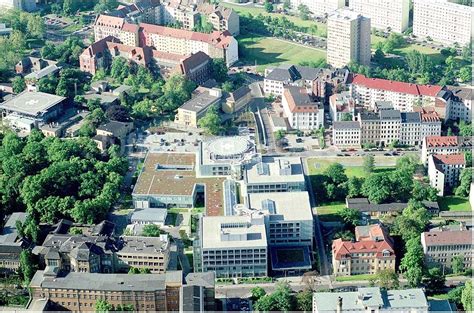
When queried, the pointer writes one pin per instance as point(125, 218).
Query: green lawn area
point(266, 51)
point(328, 211)
point(241, 10)
point(453, 203)
point(319, 165)
point(356, 277)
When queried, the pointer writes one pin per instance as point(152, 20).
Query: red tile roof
point(430, 117)
point(396, 86)
point(447, 237)
point(128, 27)
point(441, 141)
point(451, 159)
point(299, 101)
point(342, 248)
point(109, 21)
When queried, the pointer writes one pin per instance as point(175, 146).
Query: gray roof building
point(293, 73)
point(411, 117)
point(32, 104)
point(202, 101)
point(346, 125)
point(364, 205)
point(390, 115)
point(149, 216)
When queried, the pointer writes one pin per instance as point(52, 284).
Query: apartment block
point(444, 171)
point(303, 111)
point(404, 96)
point(220, 17)
point(348, 38)
point(445, 145)
point(276, 79)
point(443, 21)
point(341, 104)
point(319, 7)
point(346, 134)
point(371, 252)
point(459, 104)
point(441, 245)
point(386, 15)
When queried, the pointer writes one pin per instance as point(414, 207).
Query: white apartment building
point(348, 38)
point(445, 145)
point(269, 175)
point(276, 79)
point(386, 15)
point(340, 104)
point(459, 104)
point(390, 126)
point(443, 21)
point(444, 171)
point(288, 217)
point(430, 125)
point(411, 128)
point(441, 245)
point(346, 134)
point(319, 7)
point(302, 111)
point(404, 96)
point(233, 246)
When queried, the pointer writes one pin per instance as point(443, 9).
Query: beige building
point(386, 15)
point(371, 252)
point(194, 109)
point(444, 171)
point(220, 17)
point(346, 134)
point(302, 109)
point(444, 145)
point(443, 21)
point(441, 245)
point(348, 38)
point(319, 7)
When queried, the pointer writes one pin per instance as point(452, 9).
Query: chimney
point(339, 305)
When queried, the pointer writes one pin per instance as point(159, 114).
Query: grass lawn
point(328, 211)
point(356, 277)
point(241, 10)
point(319, 165)
point(266, 51)
point(453, 203)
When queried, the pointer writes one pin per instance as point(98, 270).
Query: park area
point(453, 203)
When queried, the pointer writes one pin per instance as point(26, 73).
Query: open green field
point(266, 51)
point(329, 211)
point(317, 166)
point(453, 203)
point(356, 277)
point(241, 10)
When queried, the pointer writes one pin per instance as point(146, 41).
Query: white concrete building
point(404, 96)
point(445, 145)
point(430, 125)
point(319, 7)
point(410, 128)
point(444, 171)
point(276, 79)
point(346, 134)
point(233, 246)
point(386, 15)
point(302, 111)
point(348, 38)
point(459, 104)
point(443, 21)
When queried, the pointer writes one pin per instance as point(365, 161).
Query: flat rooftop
point(31, 103)
point(160, 177)
point(201, 101)
point(232, 231)
point(294, 206)
point(275, 169)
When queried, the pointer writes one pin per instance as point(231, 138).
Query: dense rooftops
point(396, 86)
point(447, 141)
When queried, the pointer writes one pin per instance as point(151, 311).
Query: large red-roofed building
point(444, 170)
point(444, 145)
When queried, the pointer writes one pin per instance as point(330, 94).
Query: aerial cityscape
point(236, 155)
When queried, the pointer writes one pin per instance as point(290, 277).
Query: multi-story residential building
point(443, 21)
point(387, 15)
point(430, 124)
point(276, 79)
point(346, 134)
point(390, 126)
point(411, 128)
point(140, 11)
point(441, 245)
point(459, 104)
point(220, 17)
point(341, 104)
point(404, 96)
point(444, 145)
point(232, 246)
point(79, 292)
point(194, 109)
point(103, 254)
point(348, 38)
point(217, 44)
point(301, 109)
point(274, 175)
point(371, 252)
point(369, 128)
point(319, 7)
point(444, 171)
point(371, 299)
point(11, 244)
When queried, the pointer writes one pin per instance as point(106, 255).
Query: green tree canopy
point(211, 121)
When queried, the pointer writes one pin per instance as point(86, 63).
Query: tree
point(151, 230)
point(133, 270)
point(18, 84)
point(465, 180)
point(412, 222)
point(465, 129)
point(465, 74)
point(379, 56)
point(304, 300)
point(354, 186)
point(219, 70)
point(346, 117)
point(412, 263)
point(350, 216)
point(27, 266)
point(264, 304)
point(282, 296)
point(118, 113)
point(434, 281)
point(268, 6)
point(304, 12)
point(75, 231)
point(423, 192)
point(457, 264)
point(102, 306)
point(369, 163)
point(336, 173)
point(287, 5)
point(257, 293)
point(387, 279)
point(468, 156)
point(346, 235)
point(466, 296)
point(211, 121)
point(377, 187)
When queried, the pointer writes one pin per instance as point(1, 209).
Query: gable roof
point(299, 101)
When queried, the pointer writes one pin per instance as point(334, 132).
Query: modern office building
point(441, 245)
point(348, 38)
point(301, 108)
point(386, 15)
point(443, 21)
point(195, 108)
point(444, 145)
point(444, 171)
